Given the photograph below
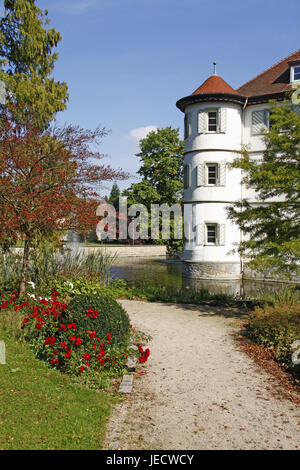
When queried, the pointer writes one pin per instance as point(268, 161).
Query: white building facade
point(219, 122)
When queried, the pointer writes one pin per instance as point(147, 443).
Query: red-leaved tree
point(49, 180)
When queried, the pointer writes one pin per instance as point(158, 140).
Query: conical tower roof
point(214, 84)
point(214, 88)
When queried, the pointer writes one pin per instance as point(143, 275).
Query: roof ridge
point(269, 68)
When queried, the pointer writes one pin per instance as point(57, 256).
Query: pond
point(167, 272)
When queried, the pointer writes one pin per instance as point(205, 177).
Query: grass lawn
point(41, 409)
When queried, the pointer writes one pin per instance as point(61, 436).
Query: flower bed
point(68, 346)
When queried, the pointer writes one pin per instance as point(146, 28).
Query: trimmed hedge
point(100, 313)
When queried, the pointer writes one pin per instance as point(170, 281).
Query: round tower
point(213, 130)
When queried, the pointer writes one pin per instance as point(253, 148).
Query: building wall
point(206, 204)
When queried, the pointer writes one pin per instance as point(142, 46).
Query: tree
point(272, 228)
point(161, 154)
point(47, 182)
point(114, 196)
point(27, 62)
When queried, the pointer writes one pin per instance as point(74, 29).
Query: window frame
point(217, 112)
point(215, 242)
point(217, 173)
point(292, 73)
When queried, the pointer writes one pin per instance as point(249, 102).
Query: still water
point(167, 272)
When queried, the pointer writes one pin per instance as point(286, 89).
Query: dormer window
point(295, 73)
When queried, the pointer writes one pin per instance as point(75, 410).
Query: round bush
point(102, 314)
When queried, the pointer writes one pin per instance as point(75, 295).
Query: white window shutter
point(200, 234)
point(221, 234)
point(259, 121)
point(296, 108)
point(201, 174)
point(202, 122)
point(222, 173)
point(223, 120)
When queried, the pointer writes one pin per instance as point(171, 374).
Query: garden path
point(198, 390)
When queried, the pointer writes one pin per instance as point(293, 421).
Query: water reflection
point(168, 272)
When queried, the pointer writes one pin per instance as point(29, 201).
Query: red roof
point(215, 84)
point(276, 79)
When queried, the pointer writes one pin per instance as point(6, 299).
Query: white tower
point(213, 132)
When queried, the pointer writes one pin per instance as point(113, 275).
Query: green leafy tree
point(272, 228)
point(161, 154)
point(27, 61)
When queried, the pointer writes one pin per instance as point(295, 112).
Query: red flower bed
point(57, 342)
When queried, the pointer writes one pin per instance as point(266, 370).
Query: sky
point(127, 62)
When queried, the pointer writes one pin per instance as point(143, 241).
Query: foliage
point(273, 229)
point(277, 327)
point(74, 339)
point(114, 196)
point(27, 62)
point(47, 182)
point(161, 154)
point(102, 314)
point(153, 293)
point(68, 272)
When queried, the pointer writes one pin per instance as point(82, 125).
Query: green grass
point(41, 409)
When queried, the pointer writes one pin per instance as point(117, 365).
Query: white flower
point(32, 296)
point(32, 284)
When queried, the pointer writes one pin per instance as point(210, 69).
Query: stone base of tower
point(211, 270)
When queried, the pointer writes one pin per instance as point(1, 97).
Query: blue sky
point(127, 62)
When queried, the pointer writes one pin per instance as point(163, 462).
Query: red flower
point(91, 334)
point(50, 340)
point(68, 354)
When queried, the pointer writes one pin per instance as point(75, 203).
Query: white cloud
point(139, 133)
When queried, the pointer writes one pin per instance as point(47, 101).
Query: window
point(212, 121)
point(212, 174)
point(211, 234)
point(260, 121)
point(295, 73)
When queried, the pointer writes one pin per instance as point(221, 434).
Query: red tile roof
point(215, 84)
point(276, 79)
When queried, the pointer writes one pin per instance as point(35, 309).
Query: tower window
point(212, 124)
point(212, 174)
point(211, 234)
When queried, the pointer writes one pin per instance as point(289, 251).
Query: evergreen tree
point(27, 61)
point(114, 196)
point(272, 229)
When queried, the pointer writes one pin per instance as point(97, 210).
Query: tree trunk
point(25, 265)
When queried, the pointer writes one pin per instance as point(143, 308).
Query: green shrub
point(100, 313)
point(277, 327)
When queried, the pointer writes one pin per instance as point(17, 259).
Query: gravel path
point(199, 391)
